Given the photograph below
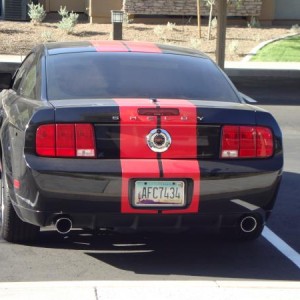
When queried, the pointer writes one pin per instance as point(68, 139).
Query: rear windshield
point(135, 75)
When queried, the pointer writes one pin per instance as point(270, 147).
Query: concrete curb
point(262, 69)
point(253, 52)
point(135, 290)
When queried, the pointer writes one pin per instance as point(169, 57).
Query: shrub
point(69, 20)
point(160, 32)
point(36, 13)
point(127, 19)
point(46, 36)
point(254, 23)
point(63, 12)
point(295, 29)
point(171, 26)
point(195, 43)
point(233, 47)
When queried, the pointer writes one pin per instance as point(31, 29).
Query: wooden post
point(199, 16)
point(221, 33)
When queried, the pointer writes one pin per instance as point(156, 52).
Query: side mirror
point(247, 98)
point(5, 81)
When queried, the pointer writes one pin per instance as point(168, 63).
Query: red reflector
point(158, 111)
point(45, 140)
point(264, 141)
point(85, 141)
point(65, 140)
point(246, 142)
point(16, 183)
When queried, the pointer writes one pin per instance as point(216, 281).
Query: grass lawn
point(285, 50)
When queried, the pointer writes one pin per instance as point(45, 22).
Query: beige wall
point(100, 10)
point(267, 12)
point(72, 5)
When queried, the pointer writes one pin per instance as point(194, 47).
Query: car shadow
point(190, 255)
point(88, 33)
point(184, 255)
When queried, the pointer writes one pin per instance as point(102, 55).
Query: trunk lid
point(150, 128)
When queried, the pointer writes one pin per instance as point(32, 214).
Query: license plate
point(159, 193)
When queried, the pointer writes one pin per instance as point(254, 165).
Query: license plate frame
point(176, 189)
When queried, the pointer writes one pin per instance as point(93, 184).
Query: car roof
point(117, 46)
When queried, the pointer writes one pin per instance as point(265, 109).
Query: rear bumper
point(90, 192)
point(141, 222)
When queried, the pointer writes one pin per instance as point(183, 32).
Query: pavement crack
point(96, 293)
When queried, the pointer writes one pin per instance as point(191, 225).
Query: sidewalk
point(151, 290)
point(263, 69)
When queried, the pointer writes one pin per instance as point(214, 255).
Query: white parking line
point(282, 246)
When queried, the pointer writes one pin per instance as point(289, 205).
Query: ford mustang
point(136, 136)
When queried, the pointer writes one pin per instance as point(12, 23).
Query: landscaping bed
point(20, 37)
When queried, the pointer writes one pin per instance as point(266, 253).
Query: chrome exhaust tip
point(248, 224)
point(63, 225)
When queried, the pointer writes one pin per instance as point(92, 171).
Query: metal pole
point(221, 33)
point(199, 16)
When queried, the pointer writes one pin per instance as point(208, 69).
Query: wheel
point(13, 229)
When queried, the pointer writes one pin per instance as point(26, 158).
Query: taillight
point(45, 140)
point(246, 142)
point(85, 140)
point(66, 140)
point(264, 142)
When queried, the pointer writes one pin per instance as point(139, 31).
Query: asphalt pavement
point(113, 266)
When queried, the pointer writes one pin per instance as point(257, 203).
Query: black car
point(133, 135)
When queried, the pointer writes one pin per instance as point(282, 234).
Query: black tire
point(13, 229)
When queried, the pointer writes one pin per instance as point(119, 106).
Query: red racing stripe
point(133, 145)
point(135, 128)
point(182, 128)
point(184, 169)
point(138, 161)
point(143, 47)
point(136, 168)
point(109, 46)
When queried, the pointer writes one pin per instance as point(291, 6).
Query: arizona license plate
point(155, 193)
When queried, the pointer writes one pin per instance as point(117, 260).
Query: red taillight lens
point(66, 140)
point(230, 141)
point(45, 140)
point(264, 142)
point(85, 141)
point(246, 142)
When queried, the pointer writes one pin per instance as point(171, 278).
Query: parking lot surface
point(112, 256)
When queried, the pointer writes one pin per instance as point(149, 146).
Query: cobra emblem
point(159, 140)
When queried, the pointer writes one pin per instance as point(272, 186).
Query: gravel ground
point(20, 37)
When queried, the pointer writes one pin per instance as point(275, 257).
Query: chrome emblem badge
point(159, 140)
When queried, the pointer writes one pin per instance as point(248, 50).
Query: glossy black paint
point(89, 190)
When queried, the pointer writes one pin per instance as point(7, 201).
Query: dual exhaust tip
point(248, 224)
point(63, 225)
